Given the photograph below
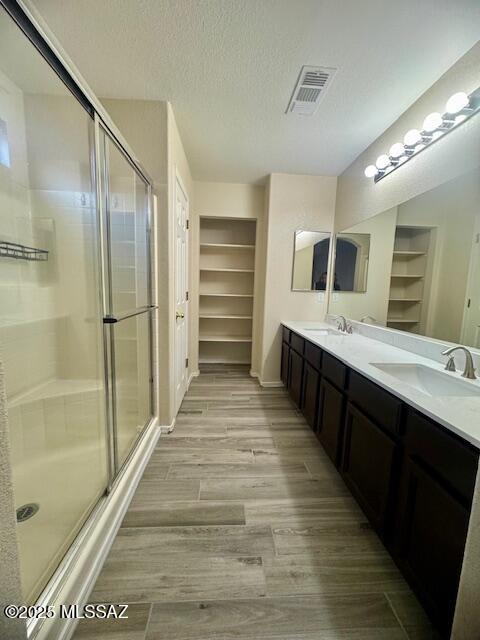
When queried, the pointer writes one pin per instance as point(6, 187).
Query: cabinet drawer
point(378, 404)
point(286, 335)
point(334, 370)
point(313, 355)
point(451, 459)
point(297, 343)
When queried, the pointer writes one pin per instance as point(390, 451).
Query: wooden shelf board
point(227, 270)
point(215, 245)
point(409, 253)
point(405, 300)
point(225, 316)
point(406, 275)
point(214, 360)
point(225, 338)
point(401, 321)
point(228, 295)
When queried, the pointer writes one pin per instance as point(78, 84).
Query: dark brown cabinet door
point(331, 410)
point(368, 466)
point(311, 381)
point(284, 365)
point(296, 376)
point(433, 530)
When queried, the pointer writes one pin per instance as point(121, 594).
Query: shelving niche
point(408, 280)
point(227, 272)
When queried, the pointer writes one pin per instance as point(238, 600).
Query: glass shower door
point(51, 327)
point(128, 303)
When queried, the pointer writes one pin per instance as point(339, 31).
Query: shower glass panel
point(127, 210)
point(126, 197)
point(50, 310)
point(132, 375)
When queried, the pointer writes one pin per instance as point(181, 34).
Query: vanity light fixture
point(459, 108)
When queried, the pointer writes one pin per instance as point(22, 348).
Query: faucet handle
point(450, 366)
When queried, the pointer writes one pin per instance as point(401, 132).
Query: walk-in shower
point(75, 302)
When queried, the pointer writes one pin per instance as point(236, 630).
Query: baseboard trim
point(80, 568)
point(264, 383)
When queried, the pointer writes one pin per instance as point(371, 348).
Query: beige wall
point(229, 200)
point(295, 202)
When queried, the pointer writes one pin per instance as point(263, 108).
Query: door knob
point(179, 315)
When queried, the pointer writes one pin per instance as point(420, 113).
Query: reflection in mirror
point(424, 265)
point(351, 262)
point(310, 260)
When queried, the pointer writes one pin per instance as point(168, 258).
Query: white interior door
point(471, 318)
point(181, 295)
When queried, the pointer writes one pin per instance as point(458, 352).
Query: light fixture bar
point(459, 108)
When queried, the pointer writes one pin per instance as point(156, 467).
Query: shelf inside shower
point(22, 252)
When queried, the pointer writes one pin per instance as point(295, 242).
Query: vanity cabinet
point(413, 478)
point(369, 467)
point(331, 406)
point(284, 366)
point(311, 382)
point(330, 421)
point(437, 485)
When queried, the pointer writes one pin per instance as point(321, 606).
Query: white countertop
point(458, 414)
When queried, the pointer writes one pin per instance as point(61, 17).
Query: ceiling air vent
point(311, 86)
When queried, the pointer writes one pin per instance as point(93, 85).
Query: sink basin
point(322, 332)
point(433, 383)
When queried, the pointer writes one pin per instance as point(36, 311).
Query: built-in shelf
point(228, 270)
point(224, 317)
point(219, 245)
point(409, 277)
point(228, 295)
point(227, 265)
point(226, 338)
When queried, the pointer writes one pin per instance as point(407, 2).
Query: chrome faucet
point(368, 317)
point(343, 325)
point(469, 371)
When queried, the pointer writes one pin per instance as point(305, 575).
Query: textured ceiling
point(229, 66)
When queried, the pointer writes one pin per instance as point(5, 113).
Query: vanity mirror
point(423, 265)
point(310, 260)
point(352, 252)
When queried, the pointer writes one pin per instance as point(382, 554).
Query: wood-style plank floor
point(242, 528)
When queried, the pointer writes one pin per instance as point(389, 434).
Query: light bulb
point(457, 102)
point(432, 122)
point(419, 147)
point(383, 161)
point(371, 171)
point(437, 134)
point(459, 119)
point(412, 137)
point(402, 159)
point(389, 168)
point(396, 150)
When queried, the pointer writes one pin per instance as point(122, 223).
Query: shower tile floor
point(242, 528)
